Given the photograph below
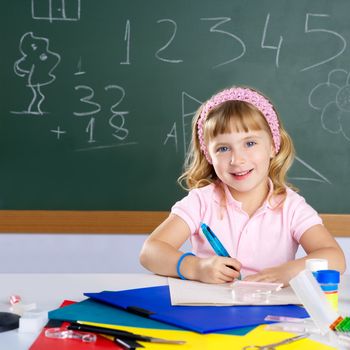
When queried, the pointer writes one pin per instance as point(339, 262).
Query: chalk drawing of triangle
point(311, 175)
point(189, 107)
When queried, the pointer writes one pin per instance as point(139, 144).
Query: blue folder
point(154, 303)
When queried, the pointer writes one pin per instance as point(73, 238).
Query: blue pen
point(219, 249)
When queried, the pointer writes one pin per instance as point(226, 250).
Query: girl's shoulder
point(295, 200)
point(292, 195)
point(290, 200)
point(198, 200)
point(204, 193)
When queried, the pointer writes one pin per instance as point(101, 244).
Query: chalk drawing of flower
point(332, 98)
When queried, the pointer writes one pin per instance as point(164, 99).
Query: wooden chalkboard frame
point(113, 222)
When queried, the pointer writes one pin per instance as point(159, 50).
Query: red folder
point(44, 343)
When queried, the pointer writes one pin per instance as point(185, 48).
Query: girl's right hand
point(217, 269)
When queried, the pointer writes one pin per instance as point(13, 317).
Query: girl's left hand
point(273, 275)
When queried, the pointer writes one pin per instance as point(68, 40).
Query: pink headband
point(246, 95)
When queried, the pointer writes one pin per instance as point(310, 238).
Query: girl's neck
point(252, 200)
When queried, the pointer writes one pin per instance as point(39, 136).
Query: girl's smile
point(242, 175)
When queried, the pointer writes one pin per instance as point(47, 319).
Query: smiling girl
point(236, 176)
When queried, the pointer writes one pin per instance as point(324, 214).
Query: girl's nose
point(237, 158)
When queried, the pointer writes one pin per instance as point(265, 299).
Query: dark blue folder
point(154, 302)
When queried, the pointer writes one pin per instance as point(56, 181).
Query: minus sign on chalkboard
point(106, 146)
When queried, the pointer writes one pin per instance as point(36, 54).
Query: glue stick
point(329, 281)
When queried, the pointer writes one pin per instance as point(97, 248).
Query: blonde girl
point(235, 173)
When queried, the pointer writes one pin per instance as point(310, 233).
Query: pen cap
point(311, 295)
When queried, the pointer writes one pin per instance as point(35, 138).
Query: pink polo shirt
point(269, 238)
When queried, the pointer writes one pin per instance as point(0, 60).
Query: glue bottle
point(329, 281)
point(315, 302)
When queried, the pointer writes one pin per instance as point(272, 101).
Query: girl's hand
point(279, 274)
point(217, 269)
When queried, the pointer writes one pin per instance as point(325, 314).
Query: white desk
point(49, 290)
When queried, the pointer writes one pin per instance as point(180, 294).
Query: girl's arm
point(160, 254)
point(317, 243)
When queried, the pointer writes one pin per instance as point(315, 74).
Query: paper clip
point(59, 333)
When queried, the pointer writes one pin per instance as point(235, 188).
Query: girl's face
point(241, 160)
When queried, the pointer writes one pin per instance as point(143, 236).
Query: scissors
point(273, 346)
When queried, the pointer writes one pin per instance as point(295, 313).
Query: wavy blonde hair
point(236, 116)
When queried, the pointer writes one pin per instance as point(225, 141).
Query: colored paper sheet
point(93, 311)
point(259, 336)
point(154, 302)
point(198, 341)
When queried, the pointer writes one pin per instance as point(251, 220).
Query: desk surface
point(49, 290)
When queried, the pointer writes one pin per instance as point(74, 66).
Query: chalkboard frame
point(113, 222)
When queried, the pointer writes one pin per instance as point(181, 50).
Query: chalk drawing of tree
point(36, 64)
point(332, 99)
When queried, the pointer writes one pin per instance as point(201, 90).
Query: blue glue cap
point(328, 276)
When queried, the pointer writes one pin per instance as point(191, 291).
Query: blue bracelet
point(179, 264)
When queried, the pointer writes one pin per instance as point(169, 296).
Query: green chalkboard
point(97, 96)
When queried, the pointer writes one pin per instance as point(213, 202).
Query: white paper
point(185, 292)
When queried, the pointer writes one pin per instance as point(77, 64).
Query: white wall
point(82, 253)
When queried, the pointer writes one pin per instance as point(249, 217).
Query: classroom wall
point(81, 253)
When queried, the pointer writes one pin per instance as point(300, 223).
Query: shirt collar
point(270, 202)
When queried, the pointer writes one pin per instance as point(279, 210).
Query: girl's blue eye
point(223, 149)
point(250, 143)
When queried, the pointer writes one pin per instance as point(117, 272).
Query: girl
point(235, 173)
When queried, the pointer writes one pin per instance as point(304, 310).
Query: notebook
point(185, 292)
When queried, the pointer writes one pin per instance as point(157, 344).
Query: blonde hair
point(239, 116)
